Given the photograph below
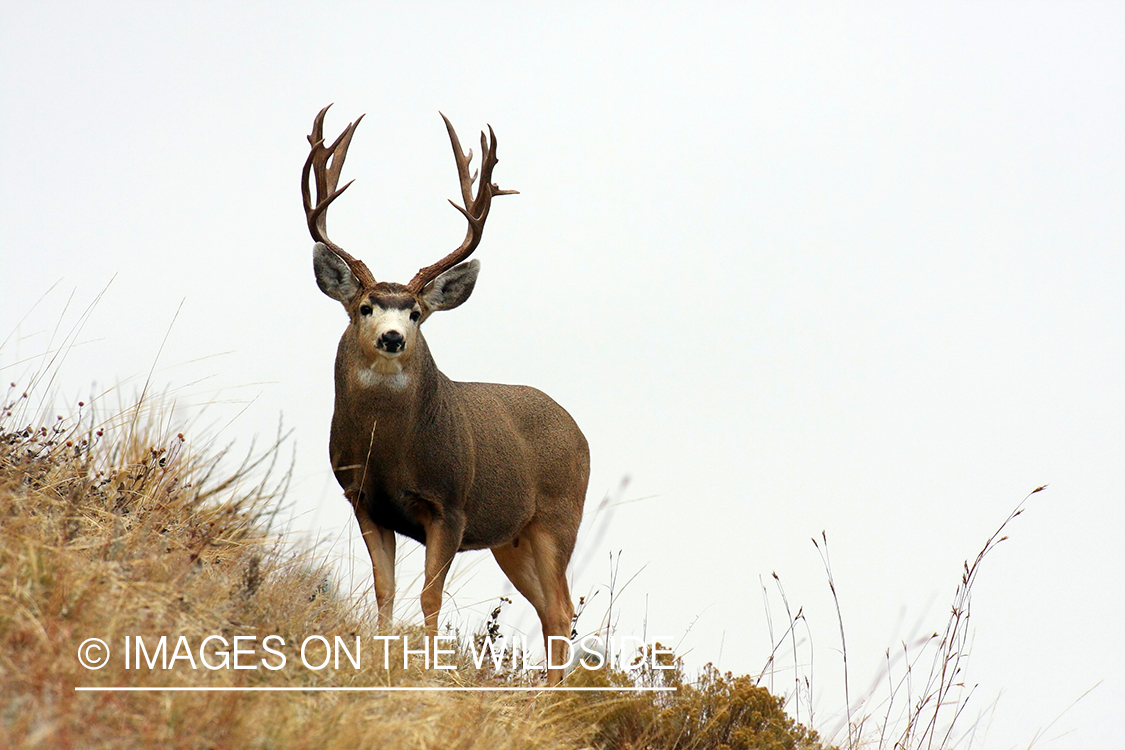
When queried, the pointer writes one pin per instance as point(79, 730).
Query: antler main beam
point(476, 208)
point(326, 177)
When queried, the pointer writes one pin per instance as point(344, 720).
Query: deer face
point(386, 317)
point(386, 322)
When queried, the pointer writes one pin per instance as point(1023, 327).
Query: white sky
point(792, 269)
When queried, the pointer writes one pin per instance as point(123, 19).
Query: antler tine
point(327, 177)
point(475, 210)
point(463, 162)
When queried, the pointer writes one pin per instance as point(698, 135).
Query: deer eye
point(365, 310)
point(414, 315)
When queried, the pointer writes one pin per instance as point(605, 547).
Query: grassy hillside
point(122, 531)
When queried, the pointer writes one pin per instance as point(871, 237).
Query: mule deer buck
point(456, 466)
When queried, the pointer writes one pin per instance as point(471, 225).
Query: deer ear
point(451, 288)
point(333, 275)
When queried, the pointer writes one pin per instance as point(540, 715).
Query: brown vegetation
point(120, 531)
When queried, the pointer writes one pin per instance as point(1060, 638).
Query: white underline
point(382, 689)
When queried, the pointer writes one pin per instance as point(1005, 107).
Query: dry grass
point(113, 527)
point(104, 536)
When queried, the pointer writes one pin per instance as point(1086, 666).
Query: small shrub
point(718, 711)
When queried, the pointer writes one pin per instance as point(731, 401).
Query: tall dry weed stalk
point(921, 699)
point(934, 712)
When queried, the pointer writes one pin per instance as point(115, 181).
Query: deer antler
point(326, 178)
point(475, 210)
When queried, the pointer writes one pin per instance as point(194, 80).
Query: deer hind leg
point(551, 554)
point(380, 542)
point(518, 564)
point(521, 564)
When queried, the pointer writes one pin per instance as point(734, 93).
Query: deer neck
point(400, 390)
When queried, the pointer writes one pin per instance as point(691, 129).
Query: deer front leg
point(380, 543)
point(443, 539)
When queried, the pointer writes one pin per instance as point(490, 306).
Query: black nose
point(392, 341)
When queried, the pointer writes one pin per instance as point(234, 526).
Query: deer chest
point(402, 512)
